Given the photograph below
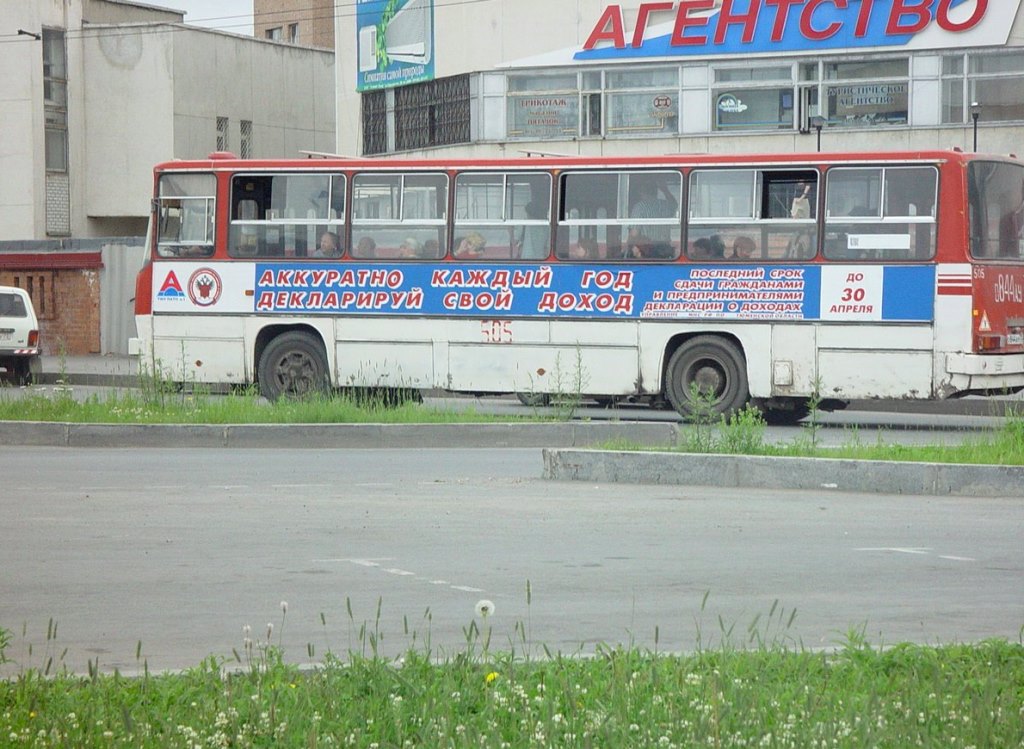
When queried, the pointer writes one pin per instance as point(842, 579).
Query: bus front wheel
point(293, 364)
point(707, 376)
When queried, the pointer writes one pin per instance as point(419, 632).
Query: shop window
point(865, 93)
point(642, 102)
point(543, 106)
point(746, 99)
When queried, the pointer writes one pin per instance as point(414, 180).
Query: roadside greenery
point(742, 432)
point(240, 407)
point(764, 692)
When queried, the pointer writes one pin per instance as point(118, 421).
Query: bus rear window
point(996, 195)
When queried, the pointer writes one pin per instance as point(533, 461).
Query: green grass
point(244, 407)
point(769, 696)
point(744, 433)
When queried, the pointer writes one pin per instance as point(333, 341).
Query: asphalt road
point(179, 549)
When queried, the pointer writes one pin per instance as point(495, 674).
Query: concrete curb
point(333, 436)
point(747, 471)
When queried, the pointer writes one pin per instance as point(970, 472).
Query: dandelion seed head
point(284, 607)
point(484, 608)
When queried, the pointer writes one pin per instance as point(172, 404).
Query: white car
point(19, 337)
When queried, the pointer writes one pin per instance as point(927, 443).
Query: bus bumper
point(982, 374)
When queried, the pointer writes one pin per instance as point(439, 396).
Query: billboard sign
point(394, 43)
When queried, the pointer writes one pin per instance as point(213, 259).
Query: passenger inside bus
point(365, 247)
point(586, 248)
point(708, 248)
point(470, 247)
point(650, 240)
point(328, 246)
point(743, 248)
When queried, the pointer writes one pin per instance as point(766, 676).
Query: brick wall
point(67, 302)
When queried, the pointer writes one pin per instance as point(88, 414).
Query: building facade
point(93, 94)
point(97, 92)
point(309, 23)
point(421, 77)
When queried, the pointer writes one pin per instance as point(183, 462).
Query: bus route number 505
point(496, 331)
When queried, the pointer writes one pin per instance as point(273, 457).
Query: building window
point(996, 82)
point(642, 102)
point(245, 139)
point(222, 133)
point(375, 122)
point(55, 100)
point(432, 113)
point(753, 98)
point(869, 92)
point(544, 106)
point(293, 33)
point(274, 34)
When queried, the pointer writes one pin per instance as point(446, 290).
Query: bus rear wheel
point(707, 376)
point(293, 364)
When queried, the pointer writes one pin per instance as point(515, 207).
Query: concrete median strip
point(826, 474)
point(334, 436)
point(568, 453)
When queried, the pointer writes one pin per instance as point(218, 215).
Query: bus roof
point(224, 161)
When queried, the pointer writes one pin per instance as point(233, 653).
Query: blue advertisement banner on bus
point(394, 43)
point(798, 292)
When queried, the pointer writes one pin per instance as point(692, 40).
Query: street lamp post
point(817, 122)
point(975, 114)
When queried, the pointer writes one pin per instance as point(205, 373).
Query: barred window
point(432, 113)
point(375, 122)
point(222, 133)
point(245, 139)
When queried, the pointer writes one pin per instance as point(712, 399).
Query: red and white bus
point(758, 278)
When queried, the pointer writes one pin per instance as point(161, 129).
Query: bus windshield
point(996, 194)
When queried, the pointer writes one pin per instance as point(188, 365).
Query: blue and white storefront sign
point(714, 28)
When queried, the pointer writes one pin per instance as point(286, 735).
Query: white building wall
point(138, 95)
point(128, 117)
point(287, 92)
point(22, 155)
